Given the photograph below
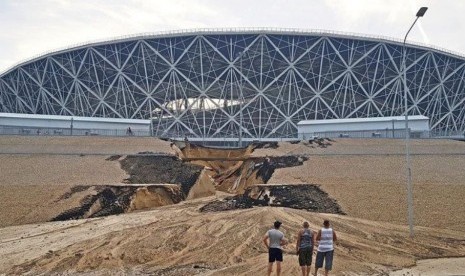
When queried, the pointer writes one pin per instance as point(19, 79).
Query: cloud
point(32, 27)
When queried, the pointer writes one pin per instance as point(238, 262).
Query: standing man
point(326, 238)
point(304, 248)
point(273, 240)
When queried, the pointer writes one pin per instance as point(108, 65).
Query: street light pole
point(419, 14)
point(240, 100)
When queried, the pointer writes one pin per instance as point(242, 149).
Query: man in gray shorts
point(326, 238)
point(273, 240)
point(304, 248)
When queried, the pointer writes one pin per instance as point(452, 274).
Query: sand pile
point(154, 196)
point(178, 239)
point(204, 186)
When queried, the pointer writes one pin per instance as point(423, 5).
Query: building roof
point(362, 120)
point(234, 31)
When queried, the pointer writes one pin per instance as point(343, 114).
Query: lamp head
point(422, 11)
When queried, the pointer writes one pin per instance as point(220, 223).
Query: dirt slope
point(373, 186)
point(179, 240)
point(30, 184)
point(81, 144)
point(367, 146)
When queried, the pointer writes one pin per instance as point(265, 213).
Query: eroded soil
point(303, 196)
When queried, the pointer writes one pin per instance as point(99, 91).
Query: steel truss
point(211, 85)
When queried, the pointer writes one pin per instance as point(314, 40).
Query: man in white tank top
point(326, 238)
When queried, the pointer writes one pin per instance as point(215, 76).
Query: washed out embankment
point(302, 196)
point(196, 172)
point(139, 191)
point(234, 170)
point(116, 199)
point(167, 169)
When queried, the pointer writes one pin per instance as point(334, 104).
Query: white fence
point(378, 133)
point(9, 130)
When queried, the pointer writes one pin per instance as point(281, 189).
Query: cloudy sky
point(32, 27)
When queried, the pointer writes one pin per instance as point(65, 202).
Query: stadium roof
point(229, 31)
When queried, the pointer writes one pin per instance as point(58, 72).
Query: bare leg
point(326, 272)
point(278, 268)
point(316, 271)
point(270, 268)
point(304, 270)
point(307, 273)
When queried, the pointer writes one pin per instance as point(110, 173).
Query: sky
point(32, 27)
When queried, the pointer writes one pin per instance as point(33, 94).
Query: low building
point(33, 124)
point(385, 127)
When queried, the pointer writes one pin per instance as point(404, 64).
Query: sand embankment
point(81, 145)
point(367, 178)
point(180, 240)
point(434, 267)
point(40, 169)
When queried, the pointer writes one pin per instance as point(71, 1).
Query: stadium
point(252, 83)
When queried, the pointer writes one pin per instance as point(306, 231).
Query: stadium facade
point(252, 83)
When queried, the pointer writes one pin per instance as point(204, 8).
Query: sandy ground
point(176, 238)
point(81, 144)
point(369, 146)
point(366, 176)
point(434, 267)
point(373, 186)
point(350, 179)
point(31, 183)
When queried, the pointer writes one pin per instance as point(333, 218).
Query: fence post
point(71, 127)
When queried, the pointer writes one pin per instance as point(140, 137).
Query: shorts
point(275, 254)
point(305, 256)
point(327, 257)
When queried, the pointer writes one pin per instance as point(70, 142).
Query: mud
point(112, 200)
point(163, 168)
point(315, 143)
point(265, 145)
point(113, 157)
point(302, 196)
point(192, 269)
point(72, 191)
point(268, 165)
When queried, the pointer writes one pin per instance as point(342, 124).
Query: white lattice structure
point(224, 83)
